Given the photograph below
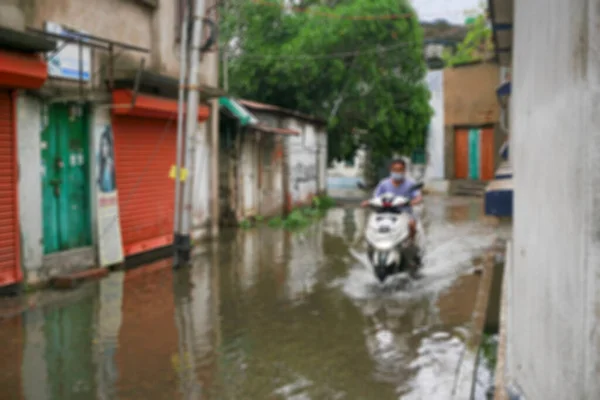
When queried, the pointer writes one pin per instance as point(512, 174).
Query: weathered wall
point(29, 126)
point(435, 134)
point(126, 21)
point(206, 171)
point(270, 180)
point(302, 161)
point(449, 152)
point(554, 301)
point(470, 94)
point(122, 21)
point(249, 176)
point(118, 20)
point(322, 158)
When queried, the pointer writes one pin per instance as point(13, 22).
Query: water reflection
point(261, 314)
point(107, 334)
point(195, 320)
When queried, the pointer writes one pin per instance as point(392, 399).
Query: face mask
point(397, 176)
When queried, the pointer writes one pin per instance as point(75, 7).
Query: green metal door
point(474, 154)
point(65, 182)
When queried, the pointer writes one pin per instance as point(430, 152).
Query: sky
point(451, 10)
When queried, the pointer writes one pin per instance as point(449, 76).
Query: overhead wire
point(331, 15)
point(337, 55)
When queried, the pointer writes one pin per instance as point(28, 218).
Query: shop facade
point(145, 139)
point(21, 68)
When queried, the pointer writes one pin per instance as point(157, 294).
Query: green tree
point(476, 46)
point(358, 74)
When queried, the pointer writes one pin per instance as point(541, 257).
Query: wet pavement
point(263, 314)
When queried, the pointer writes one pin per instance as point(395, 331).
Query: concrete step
point(72, 280)
point(465, 187)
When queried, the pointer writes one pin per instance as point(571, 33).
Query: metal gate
point(145, 150)
point(10, 270)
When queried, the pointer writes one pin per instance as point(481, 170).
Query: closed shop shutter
point(461, 154)
point(487, 154)
point(145, 150)
point(10, 270)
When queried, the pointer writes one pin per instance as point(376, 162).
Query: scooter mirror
point(361, 186)
point(417, 186)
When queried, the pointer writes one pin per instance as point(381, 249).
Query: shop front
point(20, 68)
point(145, 137)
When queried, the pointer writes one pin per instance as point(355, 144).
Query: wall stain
point(580, 53)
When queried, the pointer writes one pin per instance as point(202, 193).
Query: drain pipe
point(180, 120)
point(190, 131)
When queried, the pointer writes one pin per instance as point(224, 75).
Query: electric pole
point(183, 50)
point(193, 100)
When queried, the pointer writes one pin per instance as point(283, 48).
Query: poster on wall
point(66, 62)
point(110, 246)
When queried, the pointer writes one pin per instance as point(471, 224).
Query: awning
point(149, 106)
point(504, 89)
point(501, 19)
point(22, 71)
point(24, 42)
point(239, 111)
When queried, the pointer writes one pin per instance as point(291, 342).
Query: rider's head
point(397, 169)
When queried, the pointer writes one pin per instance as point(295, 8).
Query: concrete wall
point(206, 172)
point(302, 160)
point(29, 127)
point(554, 299)
point(470, 94)
point(322, 158)
point(127, 21)
point(270, 169)
point(435, 135)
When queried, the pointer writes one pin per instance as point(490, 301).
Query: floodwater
point(263, 314)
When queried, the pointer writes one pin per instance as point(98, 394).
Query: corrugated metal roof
point(276, 131)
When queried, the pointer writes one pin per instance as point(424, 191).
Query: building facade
point(552, 280)
point(276, 159)
point(97, 141)
point(471, 116)
point(21, 68)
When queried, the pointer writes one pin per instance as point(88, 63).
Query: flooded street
point(263, 314)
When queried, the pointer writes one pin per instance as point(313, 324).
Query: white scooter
point(389, 246)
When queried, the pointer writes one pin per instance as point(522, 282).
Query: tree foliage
point(476, 46)
point(359, 75)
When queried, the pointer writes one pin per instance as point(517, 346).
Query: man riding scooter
point(400, 185)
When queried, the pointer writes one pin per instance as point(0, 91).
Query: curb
point(70, 281)
point(467, 370)
point(499, 374)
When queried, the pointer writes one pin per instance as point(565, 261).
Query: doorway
point(65, 178)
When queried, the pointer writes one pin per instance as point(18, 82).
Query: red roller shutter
point(10, 270)
point(144, 152)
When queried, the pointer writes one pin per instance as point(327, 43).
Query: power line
point(316, 13)
point(344, 54)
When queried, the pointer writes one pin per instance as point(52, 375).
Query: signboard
point(65, 63)
point(110, 246)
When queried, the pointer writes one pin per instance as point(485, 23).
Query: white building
point(553, 275)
